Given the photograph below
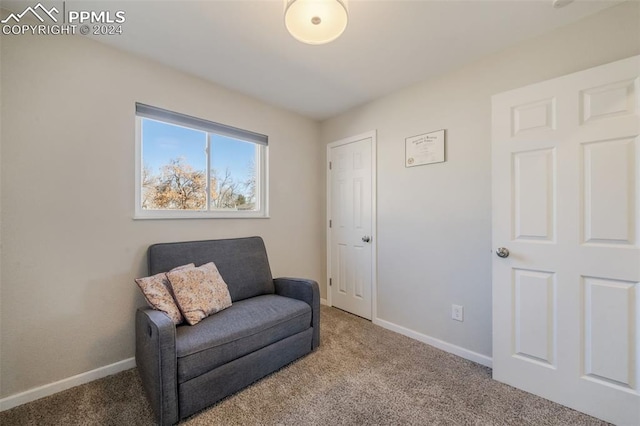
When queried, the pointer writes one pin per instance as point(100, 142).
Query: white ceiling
point(388, 45)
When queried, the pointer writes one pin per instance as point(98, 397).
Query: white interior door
point(351, 224)
point(566, 204)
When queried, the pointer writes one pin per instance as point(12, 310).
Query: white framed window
point(187, 167)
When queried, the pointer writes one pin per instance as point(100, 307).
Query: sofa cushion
point(246, 326)
point(199, 292)
point(242, 262)
point(159, 294)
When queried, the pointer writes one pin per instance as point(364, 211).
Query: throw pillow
point(159, 295)
point(199, 292)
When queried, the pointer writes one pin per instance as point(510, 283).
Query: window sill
point(161, 215)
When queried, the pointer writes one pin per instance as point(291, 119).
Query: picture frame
point(427, 148)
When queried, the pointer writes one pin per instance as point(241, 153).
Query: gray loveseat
point(271, 323)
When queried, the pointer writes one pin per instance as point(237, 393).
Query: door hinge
point(330, 223)
point(329, 165)
point(330, 282)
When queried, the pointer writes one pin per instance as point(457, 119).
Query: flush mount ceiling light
point(315, 21)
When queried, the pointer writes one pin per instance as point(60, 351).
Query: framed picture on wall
point(427, 148)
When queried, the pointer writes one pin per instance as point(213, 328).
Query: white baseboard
point(324, 302)
point(64, 384)
point(440, 344)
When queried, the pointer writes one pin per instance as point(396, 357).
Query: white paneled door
point(566, 230)
point(351, 224)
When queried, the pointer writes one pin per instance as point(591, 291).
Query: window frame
point(174, 118)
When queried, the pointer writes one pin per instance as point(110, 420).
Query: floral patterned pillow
point(159, 295)
point(199, 292)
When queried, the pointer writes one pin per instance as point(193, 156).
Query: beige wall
point(434, 222)
point(70, 247)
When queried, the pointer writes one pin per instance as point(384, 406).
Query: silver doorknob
point(502, 252)
point(366, 238)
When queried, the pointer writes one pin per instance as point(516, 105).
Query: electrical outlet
point(457, 312)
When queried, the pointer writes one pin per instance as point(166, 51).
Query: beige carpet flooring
point(361, 375)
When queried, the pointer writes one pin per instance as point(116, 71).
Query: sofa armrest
point(157, 363)
point(307, 291)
